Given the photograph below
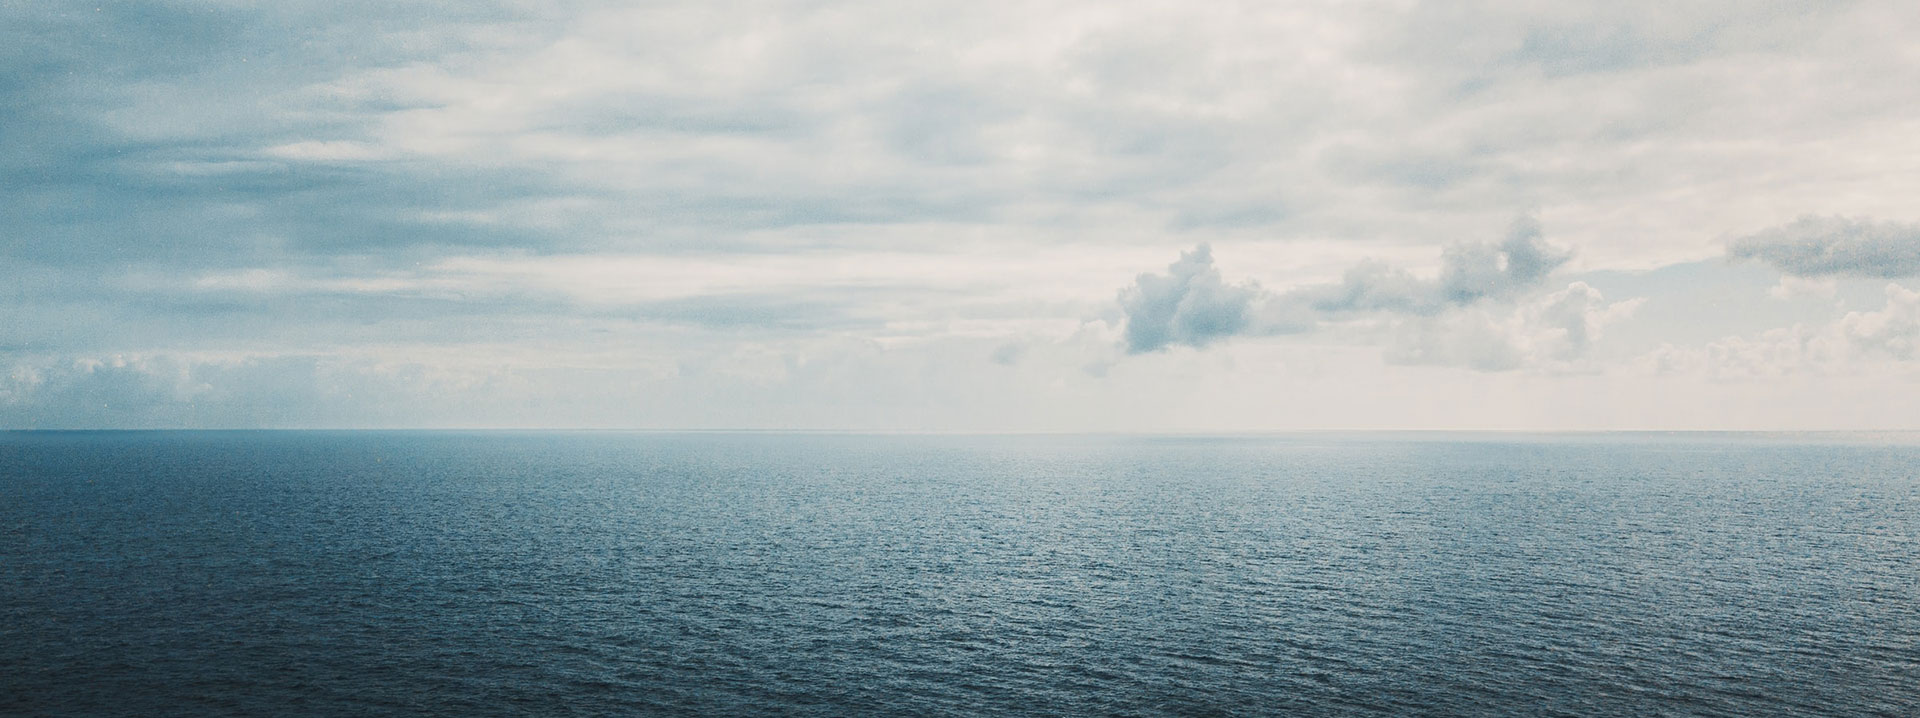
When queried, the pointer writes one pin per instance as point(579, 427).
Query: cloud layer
point(673, 206)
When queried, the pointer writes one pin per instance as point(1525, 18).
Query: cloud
point(1372, 286)
point(1441, 319)
point(211, 134)
point(1893, 331)
point(576, 185)
point(1773, 353)
point(1572, 319)
point(713, 385)
point(1008, 354)
point(1188, 306)
point(259, 390)
point(1469, 272)
point(1849, 343)
point(135, 390)
point(1473, 271)
point(1791, 287)
point(1813, 246)
point(1476, 340)
point(1556, 331)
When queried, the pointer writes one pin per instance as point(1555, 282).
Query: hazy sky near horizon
point(1058, 216)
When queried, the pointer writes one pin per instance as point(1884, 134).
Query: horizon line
point(911, 432)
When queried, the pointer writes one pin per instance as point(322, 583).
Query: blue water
point(365, 574)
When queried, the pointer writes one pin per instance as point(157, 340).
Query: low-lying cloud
point(1554, 331)
point(1464, 315)
point(1190, 305)
point(1844, 345)
point(1815, 246)
point(1469, 272)
point(1893, 331)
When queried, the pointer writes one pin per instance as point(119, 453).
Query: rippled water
point(632, 574)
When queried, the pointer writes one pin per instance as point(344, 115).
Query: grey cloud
point(139, 134)
point(1835, 246)
point(310, 307)
point(146, 133)
point(1470, 272)
point(160, 391)
point(98, 100)
point(1230, 215)
point(1373, 286)
point(366, 140)
point(1189, 305)
point(1008, 354)
point(945, 125)
point(805, 311)
point(692, 114)
point(1579, 49)
point(252, 391)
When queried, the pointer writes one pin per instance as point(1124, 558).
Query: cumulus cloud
point(1571, 319)
point(1772, 353)
point(1791, 287)
point(1465, 315)
point(1835, 246)
point(1470, 272)
point(1845, 344)
point(1475, 271)
point(1894, 330)
point(1372, 286)
point(1189, 305)
point(1555, 331)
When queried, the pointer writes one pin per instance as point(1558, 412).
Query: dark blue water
point(157, 574)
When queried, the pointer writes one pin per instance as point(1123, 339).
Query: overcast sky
point(961, 216)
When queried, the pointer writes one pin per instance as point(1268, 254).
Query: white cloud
point(1771, 354)
point(1555, 332)
point(1791, 287)
point(1858, 341)
point(1894, 330)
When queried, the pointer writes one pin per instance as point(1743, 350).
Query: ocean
point(611, 574)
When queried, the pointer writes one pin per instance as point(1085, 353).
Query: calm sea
point(555, 574)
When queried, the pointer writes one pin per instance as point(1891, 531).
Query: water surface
point(541, 574)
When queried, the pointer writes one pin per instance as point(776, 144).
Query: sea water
point(554, 574)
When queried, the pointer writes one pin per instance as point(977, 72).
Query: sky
point(960, 216)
